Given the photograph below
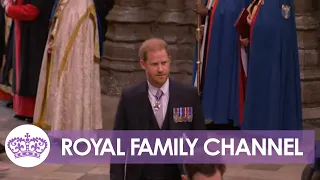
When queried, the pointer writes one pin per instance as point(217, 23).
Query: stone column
point(316, 4)
point(177, 29)
point(128, 25)
point(307, 28)
point(157, 6)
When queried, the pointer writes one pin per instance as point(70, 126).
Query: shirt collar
point(164, 88)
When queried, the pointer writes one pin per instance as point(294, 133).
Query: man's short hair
point(152, 44)
point(204, 169)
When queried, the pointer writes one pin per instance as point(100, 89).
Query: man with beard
point(164, 104)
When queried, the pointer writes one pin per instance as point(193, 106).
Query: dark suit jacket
point(135, 113)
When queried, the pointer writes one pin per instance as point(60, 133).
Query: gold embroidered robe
point(69, 95)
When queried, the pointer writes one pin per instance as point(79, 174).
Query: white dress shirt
point(164, 99)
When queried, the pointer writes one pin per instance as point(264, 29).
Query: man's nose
point(160, 68)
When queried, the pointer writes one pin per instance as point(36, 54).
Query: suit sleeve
point(117, 170)
point(121, 118)
point(203, 18)
point(198, 122)
point(30, 12)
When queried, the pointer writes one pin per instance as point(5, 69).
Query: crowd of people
point(252, 79)
point(51, 52)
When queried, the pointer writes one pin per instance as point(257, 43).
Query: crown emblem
point(27, 147)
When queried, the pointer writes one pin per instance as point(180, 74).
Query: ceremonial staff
point(198, 31)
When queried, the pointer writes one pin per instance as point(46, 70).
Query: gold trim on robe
point(63, 103)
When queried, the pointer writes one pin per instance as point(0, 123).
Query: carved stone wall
point(133, 21)
point(307, 29)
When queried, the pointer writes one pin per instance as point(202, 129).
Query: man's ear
point(142, 64)
point(184, 177)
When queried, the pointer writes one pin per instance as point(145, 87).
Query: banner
point(164, 147)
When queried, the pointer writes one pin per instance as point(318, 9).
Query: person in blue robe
point(220, 57)
point(273, 94)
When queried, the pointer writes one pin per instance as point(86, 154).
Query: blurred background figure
point(222, 74)
point(31, 24)
point(273, 95)
point(103, 7)
point(5, 86)
point(69, 93)
point(2, 51)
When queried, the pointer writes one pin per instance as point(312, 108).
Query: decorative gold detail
point(41, 122)
point(285, 11)
point(54, 29)
point(253, 10)
point(90, 11)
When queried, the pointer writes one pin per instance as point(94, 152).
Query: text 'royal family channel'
point(182, 147)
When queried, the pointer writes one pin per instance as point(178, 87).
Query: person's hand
point(249, 19)
point(244, 41)
point(4, 3)
point(50, 46)
point(201, 10)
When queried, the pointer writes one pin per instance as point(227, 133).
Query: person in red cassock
point(31, 25)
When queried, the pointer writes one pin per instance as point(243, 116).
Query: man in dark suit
point(156, 105)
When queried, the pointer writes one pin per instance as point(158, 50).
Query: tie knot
point(159, 94)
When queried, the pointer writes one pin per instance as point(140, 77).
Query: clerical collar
point(164, 88)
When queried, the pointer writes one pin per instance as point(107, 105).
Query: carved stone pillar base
point(176, 28)
point(129, 25)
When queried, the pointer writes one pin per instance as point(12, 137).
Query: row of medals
point(177, 117)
